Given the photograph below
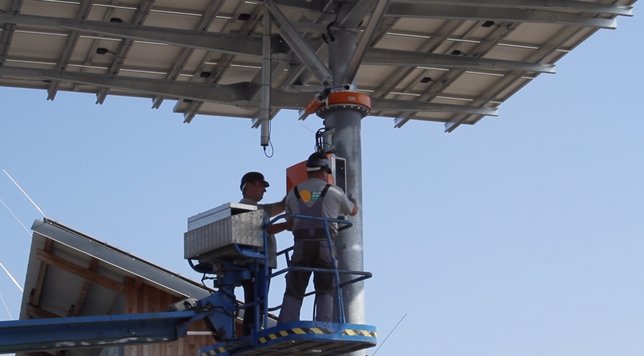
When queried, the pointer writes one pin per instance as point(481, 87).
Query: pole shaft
point(347, 141)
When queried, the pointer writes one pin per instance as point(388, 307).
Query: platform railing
point(359, 275)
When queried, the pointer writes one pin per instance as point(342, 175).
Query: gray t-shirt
point(272, 243)
point(334, 204)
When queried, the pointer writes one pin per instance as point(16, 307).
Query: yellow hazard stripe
point(352, 332)
point(294, 331)
point(213, 352)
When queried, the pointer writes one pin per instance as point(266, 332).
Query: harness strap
point(326, 188)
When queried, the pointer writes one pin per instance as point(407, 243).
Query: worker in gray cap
point(253, 186)
point(313, 197)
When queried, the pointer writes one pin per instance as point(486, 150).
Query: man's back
point(334, 202)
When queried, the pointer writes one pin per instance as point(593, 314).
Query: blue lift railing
point(342, 224)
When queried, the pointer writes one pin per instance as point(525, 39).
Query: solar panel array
point(451, 61)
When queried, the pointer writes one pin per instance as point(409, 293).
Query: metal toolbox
point(211, 233)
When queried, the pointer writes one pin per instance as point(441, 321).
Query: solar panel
point(451, 61)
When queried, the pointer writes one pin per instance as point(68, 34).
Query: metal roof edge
point(120, 259)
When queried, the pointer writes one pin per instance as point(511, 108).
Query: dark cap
point(252, 177)
point(318, 161)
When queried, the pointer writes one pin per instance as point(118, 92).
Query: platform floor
point(304, 337)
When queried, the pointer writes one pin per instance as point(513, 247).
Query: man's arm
point(279, 227)
point(275, 208)
point(347, 204)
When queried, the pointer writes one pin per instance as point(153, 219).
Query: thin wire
point(307, 128)
point(10, 276)
point(270, 142)
point(6, 307)
point(391, 332)
point(25, 193)
point(15, 217)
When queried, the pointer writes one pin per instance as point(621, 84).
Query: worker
point(313, 197)
point(253, 186)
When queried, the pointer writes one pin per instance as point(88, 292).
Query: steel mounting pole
point(347, 142)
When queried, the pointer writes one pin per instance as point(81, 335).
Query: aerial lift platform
point(221, 241)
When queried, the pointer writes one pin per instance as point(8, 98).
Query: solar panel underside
point(453, 61)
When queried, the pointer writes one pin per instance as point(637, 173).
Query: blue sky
point(520, 235)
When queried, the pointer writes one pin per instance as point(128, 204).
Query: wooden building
point(72, 274)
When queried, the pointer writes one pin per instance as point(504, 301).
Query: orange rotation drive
point(346, 99)
point(349, 98)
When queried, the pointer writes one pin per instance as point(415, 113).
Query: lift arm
point(88, 331)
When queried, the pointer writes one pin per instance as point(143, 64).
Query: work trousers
point(312, 254)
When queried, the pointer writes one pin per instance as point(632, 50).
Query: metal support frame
point(306, 54)
point(225, 60)
point(408, 58)
point(497, 14)
point(231, 44)
point(482, 48)
point(233, 94)
point(550, 5)
point(543, 51)
point(543, 11)
point(72, 40)
point(182, 59)
point(7, 31)
point(220, 42)
point(124, 48)
point(365, 41)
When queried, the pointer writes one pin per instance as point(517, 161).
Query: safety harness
point(310, 229)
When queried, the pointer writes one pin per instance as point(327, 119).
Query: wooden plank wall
point(143, 298)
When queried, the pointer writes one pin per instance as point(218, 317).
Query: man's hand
point(354, 211)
